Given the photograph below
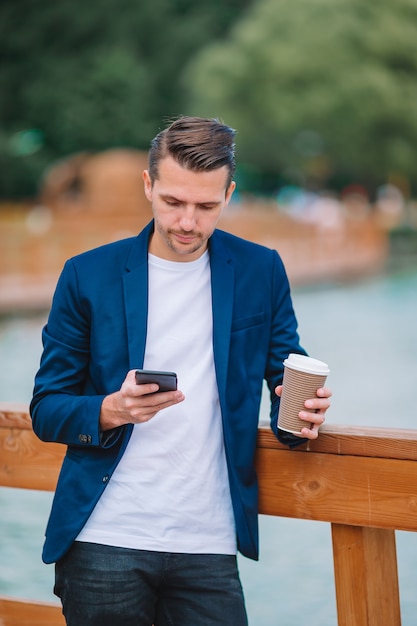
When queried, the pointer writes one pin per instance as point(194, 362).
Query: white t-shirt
point(170, 491)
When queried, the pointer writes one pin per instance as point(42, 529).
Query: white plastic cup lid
point(306, 364)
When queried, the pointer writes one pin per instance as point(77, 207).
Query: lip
point(184, 238)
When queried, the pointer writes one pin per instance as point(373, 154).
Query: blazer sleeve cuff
point(290, 440)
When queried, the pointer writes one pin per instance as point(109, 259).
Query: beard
point(169, 237)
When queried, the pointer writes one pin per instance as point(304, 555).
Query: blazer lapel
point(222, 282)
point(135, 285)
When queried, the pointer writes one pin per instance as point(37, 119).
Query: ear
point(229, 191)
point(147, 183)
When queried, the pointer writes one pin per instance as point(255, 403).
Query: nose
point(187, 219)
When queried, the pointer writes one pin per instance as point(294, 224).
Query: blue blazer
point(96, 332)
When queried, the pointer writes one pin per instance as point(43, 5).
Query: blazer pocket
point(247, 322)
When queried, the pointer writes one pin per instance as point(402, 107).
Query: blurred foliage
point(322, 92)
point(78, 76)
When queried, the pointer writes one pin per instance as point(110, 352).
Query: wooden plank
point(333, 439)
point(338, 488)
point(366, 576)
point(390, 443)
point(24, 613)
point(26, 462)
point(343, 489)
point(15, 415)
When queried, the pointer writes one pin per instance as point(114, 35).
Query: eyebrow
point(169, 197)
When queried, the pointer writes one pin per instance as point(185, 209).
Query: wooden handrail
point(359, 479)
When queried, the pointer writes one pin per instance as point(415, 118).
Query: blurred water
point(368, 335)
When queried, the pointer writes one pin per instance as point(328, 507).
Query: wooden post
point(366, 578)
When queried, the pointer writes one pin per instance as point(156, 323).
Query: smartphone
point(167, 381)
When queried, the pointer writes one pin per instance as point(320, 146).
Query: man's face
point(186, 206)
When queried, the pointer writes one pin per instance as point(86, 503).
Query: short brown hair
point(196, 143)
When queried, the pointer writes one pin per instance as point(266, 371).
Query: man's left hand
point(314, 413)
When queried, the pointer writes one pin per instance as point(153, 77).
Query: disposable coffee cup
point(303, 375)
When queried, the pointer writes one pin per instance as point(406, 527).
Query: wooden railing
point(361, 480)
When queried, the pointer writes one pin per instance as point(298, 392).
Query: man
point(158, 490)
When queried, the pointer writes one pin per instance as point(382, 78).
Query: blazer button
point(85, 438)
point(105, 478)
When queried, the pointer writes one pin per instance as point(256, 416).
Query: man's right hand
point(134, 404)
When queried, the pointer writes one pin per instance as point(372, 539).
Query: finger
point(278, 390)
point(129, 387)
point(158, 401)
point(324, 392)
point(310, 433)
point(146, 389)
point(164, 399)
point(312, 418)
point(167, 397)
point(146, 407)
point(317, 404)
point(131, 376)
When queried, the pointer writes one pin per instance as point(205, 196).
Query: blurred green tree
point(78, 76)
point(322, 92)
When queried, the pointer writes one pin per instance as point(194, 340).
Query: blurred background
point(323, 94)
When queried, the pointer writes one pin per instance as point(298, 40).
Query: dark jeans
point(106, 586)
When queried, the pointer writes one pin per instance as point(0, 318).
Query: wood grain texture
point(15, 415)
point(389, 443)
point(21, 613)
point(25, 461)
point(342, 489)
point(366, 576)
